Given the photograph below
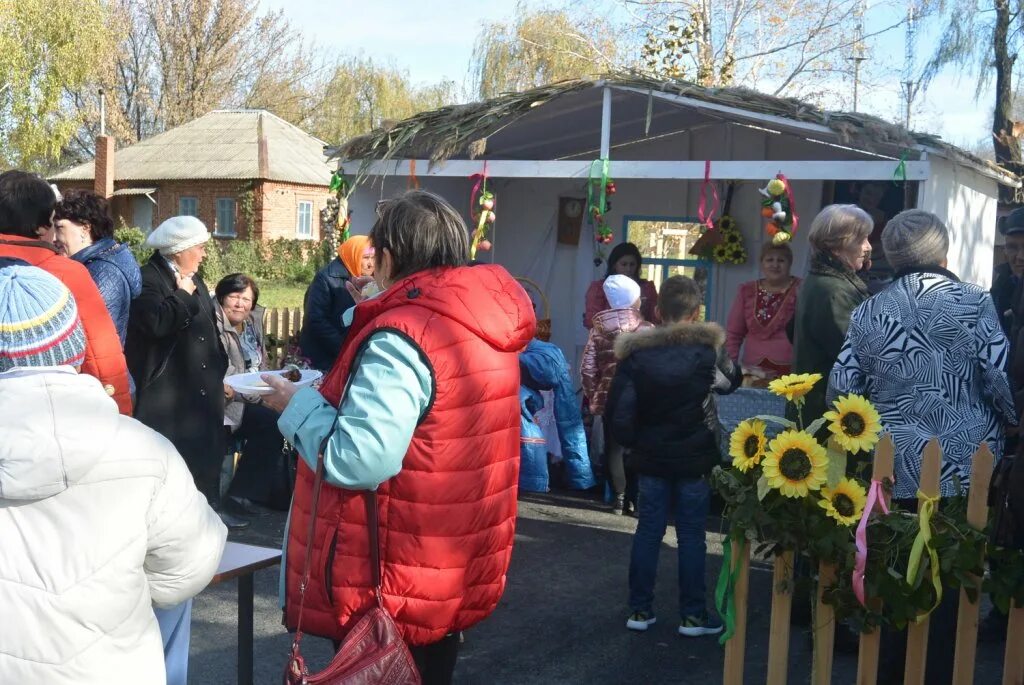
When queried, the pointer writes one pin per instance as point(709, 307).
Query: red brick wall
point(275, 204)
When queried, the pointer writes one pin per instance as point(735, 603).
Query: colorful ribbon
point(725, 590)
point(338, 182)
point(792, 204)
point(414, 183)
point(705, 217)
point(480, 185)
point(922, 542)
point(876, 499)
point(900, 174)
point(602, 198)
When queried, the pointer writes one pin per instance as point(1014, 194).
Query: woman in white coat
point(99, 517)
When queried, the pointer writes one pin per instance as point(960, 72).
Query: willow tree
point(541, 46)
point(45, 46)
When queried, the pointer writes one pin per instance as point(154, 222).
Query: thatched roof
point(222, 144)
point(462, 130)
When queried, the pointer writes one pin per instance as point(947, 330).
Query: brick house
point(242, 172)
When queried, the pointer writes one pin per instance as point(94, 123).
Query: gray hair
point(421, 231)
point(915, 238)
point(838, 227)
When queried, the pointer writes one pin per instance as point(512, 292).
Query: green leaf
point(785, 423)
point(836, 464)
point(815, 426)
point(762, 488)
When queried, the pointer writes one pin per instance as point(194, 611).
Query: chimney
point(104, 174)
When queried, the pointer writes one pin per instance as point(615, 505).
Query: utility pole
point(858, 54)
point(910, 86)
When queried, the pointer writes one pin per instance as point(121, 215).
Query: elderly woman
point(261, 475)
point(930, 354)
point(832, 290)
point(175, 355)
point(83, 230)
point(625, 260)
point(760, 315)
point(422, 406)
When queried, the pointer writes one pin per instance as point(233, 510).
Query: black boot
point(230, 520)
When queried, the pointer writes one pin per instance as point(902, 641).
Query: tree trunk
point(1005, 142)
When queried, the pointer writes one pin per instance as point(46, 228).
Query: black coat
point(176, 358)
point(326, 300)
point(661, 404)
point(1005, 292)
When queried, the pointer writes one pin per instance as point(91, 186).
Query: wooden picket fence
point(824, 623)
point(279, 325)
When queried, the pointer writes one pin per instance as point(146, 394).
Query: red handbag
point(373, 652)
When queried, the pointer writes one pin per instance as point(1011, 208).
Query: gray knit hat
point(39, 323)
point(177, 234)
point(915, 238)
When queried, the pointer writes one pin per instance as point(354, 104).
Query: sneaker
point(697, 626)
point(641, 620)
point(619, 505)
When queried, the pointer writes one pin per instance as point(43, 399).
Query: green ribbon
point(338, 182)
point(725, 590)
point(602, 205)
point(923, 542)
point(900, 174)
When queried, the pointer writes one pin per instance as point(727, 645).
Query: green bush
point(133, 238)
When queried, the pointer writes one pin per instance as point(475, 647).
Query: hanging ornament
point(598, 190)
point(342, 189)
point(481, 208)
point(778, 207)
point(721, 240)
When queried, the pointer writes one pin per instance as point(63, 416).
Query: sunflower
point(721, 253)
point(738, 255)
point(844, 502)
point(795, 464)
point(795, 385)
point(726, 223)
point(733, 237)
point(747, 444)
point(855, 423)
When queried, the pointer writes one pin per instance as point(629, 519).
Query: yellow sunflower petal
point(795, 464)
point(747, 444)
point(795, 385)
point(855, 423)
point(844, 502)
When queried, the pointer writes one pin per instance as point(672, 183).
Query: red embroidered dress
point(757, 324)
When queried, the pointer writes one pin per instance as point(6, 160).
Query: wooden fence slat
point(867, 657)
point(824, 628)
point(967, 618)
point(1013, 663)
point(735, 648)
point(782, 606)
point(274, 321)
point(917, 632)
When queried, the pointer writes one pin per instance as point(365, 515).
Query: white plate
point(252, 384)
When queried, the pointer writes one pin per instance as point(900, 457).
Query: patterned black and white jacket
point(930, 354)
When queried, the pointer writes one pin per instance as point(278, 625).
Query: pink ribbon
point(705, 217)
point(875, 499)
point(481, 180)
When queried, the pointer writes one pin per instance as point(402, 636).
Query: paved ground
point(561, 619)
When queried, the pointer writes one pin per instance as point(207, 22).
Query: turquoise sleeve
point(390, 389)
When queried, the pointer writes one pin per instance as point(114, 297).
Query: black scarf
point(925, 269)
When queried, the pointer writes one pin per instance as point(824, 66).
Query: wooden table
point(241, 561)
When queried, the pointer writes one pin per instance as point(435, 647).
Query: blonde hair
point(837, 227)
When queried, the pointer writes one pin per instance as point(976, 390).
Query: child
point(599, 363)
point(660, 406)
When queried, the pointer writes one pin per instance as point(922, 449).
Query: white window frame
point(219, 229)
point(308, 234)
point(195, 202)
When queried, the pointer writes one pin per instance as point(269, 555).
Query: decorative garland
point(481, 209)
point(780, 209)
point(599, 189)
point(788, 491)
point(721, 241)
point(342, 189)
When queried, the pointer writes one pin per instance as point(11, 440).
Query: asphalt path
point(561, 619)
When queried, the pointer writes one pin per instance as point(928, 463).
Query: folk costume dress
point(757, 324)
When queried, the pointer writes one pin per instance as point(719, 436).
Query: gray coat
point(232, 344)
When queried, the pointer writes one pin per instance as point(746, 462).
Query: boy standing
point(598, 368)
point(660, 406)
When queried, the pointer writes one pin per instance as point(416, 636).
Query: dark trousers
point(260, 467)
point(436, 662)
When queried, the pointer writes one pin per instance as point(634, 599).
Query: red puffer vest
point(447, 520)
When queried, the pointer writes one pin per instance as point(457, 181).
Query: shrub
point(133, 238)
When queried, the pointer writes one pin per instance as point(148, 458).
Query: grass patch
point(279, 295)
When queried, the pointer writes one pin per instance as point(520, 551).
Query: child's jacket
point(660, 403)
point(598, 366)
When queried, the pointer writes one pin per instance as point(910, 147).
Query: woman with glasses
point(261, 472)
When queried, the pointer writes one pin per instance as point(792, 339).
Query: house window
point(305, 225)
point(188, 206)
point(225, 217)
point(664, 244)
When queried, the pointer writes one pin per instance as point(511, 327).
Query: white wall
point(967, 202)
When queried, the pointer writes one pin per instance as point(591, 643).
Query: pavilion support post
point(606, 122)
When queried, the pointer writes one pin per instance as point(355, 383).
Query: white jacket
point(99, 521)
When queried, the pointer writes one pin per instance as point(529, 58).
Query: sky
point(433, 40)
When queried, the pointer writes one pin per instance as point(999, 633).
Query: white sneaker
point(640, 620)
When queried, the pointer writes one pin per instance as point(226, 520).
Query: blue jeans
point(692, 497)
point(176, 629)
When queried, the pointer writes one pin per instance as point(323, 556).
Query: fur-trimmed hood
point(677, 334)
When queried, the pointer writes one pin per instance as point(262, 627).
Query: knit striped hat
point(39, 323)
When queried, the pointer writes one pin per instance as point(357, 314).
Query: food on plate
point(292, 373)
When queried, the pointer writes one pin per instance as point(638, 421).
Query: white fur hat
point(621, 291)
point(178, 234)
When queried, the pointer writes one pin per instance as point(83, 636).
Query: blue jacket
point(116, 273)
point(533, 452)
point(544, 368)
point(326, 301)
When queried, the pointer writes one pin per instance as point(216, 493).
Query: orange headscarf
point(351, 253)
